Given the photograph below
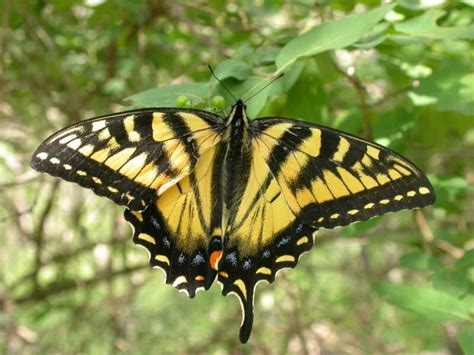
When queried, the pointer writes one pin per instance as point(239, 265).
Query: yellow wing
point(330, 178)
point(130, 157)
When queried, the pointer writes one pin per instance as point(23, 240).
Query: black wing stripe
point(181, 130)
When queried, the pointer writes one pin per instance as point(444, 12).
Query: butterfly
point(230, 198)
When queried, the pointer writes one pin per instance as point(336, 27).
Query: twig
point(64, 257)
point(60, 287)
point(38, 232)
point(430, 239)
point(392, 95)
point(360, 91)
point(3, 43)
point(21, 180)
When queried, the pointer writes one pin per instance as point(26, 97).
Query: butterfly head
point(237, 115)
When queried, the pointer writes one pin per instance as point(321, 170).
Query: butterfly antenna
point(220, 82)
point(267, 85)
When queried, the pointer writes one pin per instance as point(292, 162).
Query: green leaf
point(233, 68)
point(450, 88)
point(167, 96)
point(285, 83)
point(420, 4)
point(431, 304)
point(453, 282)
point(426, 26)
point(372, 43)
point(466, 339)
point(245, 88)
point(331, 35)
point(419, 261)
point(421, 100)
point(467, 260)
point(374, 37)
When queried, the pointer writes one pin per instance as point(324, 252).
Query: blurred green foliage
point(402, 74)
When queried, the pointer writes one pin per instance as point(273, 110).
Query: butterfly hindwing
point(263, 236)
point(131, 157)
point(181, 230)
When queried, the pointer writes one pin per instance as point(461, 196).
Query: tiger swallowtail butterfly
point(230, 198)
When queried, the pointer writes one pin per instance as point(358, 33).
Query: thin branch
point(64, 257)
point(392, 95)
point(429, 238)
point(38, 232)
point(21, 180)
point(361, 92)
point(60, 287)
point(3, 43)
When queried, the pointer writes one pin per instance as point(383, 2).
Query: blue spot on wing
point(283, 241)
point(197, 260)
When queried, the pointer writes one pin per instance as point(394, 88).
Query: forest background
point(401, 74)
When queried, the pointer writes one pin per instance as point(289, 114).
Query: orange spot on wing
point(224, 274)
point(214, 259)
point(199, 278)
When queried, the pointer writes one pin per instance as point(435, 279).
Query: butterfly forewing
point(330, 178)
point(131, 157)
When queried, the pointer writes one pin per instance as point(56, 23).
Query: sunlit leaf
point(420, 4)
point(167, 96)
point(426, 26)
point(432, 304)
point(331, 35)
point(421, 100)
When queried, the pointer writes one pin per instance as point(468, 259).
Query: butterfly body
point(230, 198)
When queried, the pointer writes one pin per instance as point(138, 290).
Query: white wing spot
point(42, 155)
point(179, 280)
point(134, 136)
point(54, 161)
point(76, 143)
point(112, 189)
point(86, 150)
point(67, 139)
point(98, 125)
point(424, 190)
